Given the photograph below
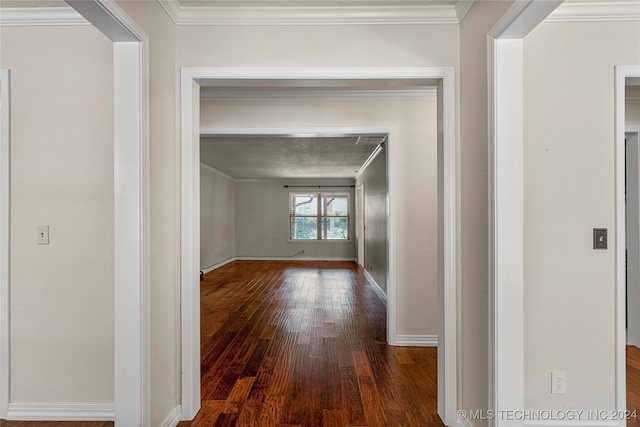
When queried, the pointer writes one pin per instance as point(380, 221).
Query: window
point(319, 216)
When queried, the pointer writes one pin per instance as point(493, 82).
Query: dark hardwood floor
point(304, 344)
point(288, 344)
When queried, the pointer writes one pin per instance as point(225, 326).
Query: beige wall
point(262, 223)
point(62, 340)
point(317, 46)
point(217, 217)
point(474, 175)
point(164, 209)
point(416, 201)
point(569, 190)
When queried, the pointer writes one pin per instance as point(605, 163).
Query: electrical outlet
point(558, 382)
point(42, 235)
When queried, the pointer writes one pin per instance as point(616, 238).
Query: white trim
point(596, 11)
point(462, 8)
point(172, 9)
point(621, 72)
point(61, 412)
point(218, 265)
point(506, 208)
point(448, 243)
point(27, 16)
point(209, 94)
point(131, 208)
point(367, 162)
point(272, 258)
point(632, 233)
point(327, 15)
point(173, 418)
point(292, 258)
point(190, 77)
point(5, 233)
point(375, 285)
point(190, 244)
point(417, 340)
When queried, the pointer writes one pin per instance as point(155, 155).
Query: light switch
point(599, 238)
point(43, 234)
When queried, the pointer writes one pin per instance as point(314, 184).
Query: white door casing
point(448, 285)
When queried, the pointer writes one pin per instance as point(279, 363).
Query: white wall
point(317, 45)
point(474, 244)
point(62, 315)
point(569, 190)
point(217, 217)
point(262, 223)
point(415, 138)
point(164, 209)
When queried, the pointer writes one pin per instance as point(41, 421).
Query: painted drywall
point(62, 300)
point(569, 190)
point(374, 179)
point(317, 45)
point(164, 184)
point(416, 202)
point(262, 223)
point(474, 287)
point(217, 217)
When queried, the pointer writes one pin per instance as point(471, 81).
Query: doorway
point(443, 79)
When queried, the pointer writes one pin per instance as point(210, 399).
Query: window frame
point(320, 215)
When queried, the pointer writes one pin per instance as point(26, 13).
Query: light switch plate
point(43, 234)
point(600, 238)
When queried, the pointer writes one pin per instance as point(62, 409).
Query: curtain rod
point(319, 186)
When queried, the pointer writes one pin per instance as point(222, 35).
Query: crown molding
point(208, 94)
point(172, 8)
point(428, 14)
point(596, 11)
point(462, 7)
point(26, 16)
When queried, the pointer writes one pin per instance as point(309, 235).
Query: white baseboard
point(417, 340)
point(272, 258)
point(61, 412)
point(173, 418)
point(376, 287)
point(218, 265)
point(294, 258)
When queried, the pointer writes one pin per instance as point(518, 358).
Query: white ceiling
point(277, 157)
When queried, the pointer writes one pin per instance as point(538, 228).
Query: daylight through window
point(319, 216)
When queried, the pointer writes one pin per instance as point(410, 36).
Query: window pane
point(304, 204)
point(304, 228)
point(336, 228)
point(335, 204)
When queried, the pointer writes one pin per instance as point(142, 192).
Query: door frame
point(632, 238)
point(448, 192)
point(5, 228)
point(506, 204)
point(621, 72)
